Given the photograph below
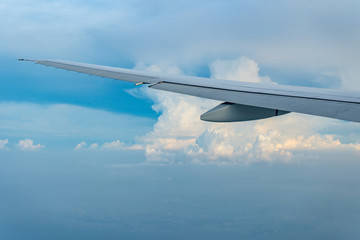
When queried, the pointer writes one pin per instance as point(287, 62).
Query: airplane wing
point(242, 100)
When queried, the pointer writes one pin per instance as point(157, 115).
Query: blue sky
point(79, 153)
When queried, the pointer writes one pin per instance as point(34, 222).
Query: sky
point(88, 157)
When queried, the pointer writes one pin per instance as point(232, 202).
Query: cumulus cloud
point(115, 145)
point(3, 143)
point(81, 145)
point(94, 146)
point(158, 68)
point(179, 135)
point(84, 146)
point(120, 145)
point(28, 145)
point(240, 69)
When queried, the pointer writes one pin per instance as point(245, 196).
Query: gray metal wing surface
point(338, 104)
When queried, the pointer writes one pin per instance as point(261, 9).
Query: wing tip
point(27, 60)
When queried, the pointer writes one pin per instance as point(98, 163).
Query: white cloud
point(28, 145)
point(3, 143)
point(114, 145)
point(94, 146)
point(161, 67)
point(240, 69)
point(119, 145)
point(81, 145)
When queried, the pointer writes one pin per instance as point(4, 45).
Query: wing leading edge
point(338, 104)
